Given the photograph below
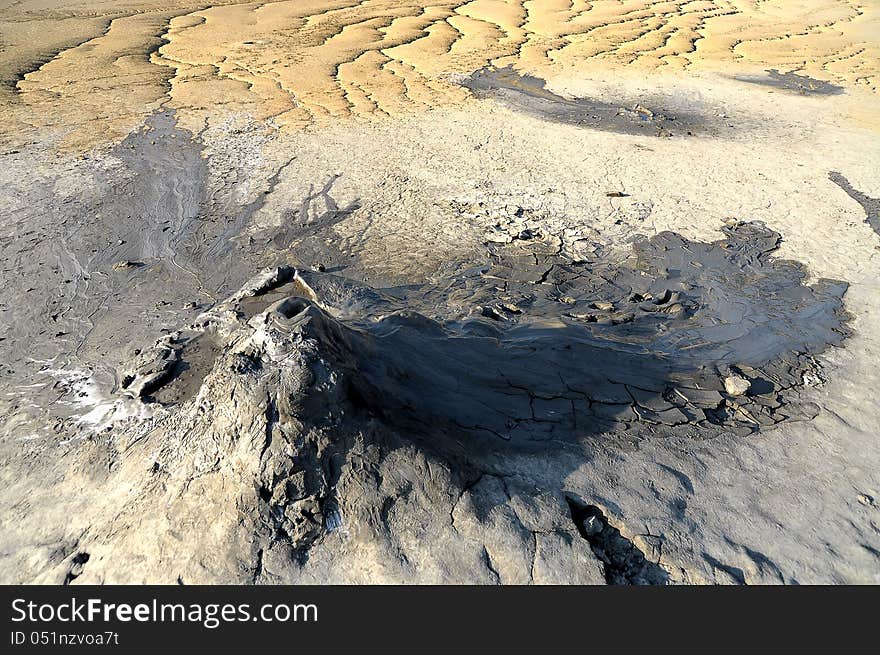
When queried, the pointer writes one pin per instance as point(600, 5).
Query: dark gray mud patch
point(790, 81)
point(172, 371)
point(538, 347)
point(529, 94)
point(870, 205)
point(195, 360)
point(105, 253)
point(308, 225)
point(623, 561)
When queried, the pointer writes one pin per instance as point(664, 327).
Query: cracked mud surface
point(84, 69)
point(495, 353)
point(412, 292)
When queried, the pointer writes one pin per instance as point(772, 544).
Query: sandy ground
point(157, 155)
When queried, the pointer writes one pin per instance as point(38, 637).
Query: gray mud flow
point(529, 94)
point(790, 81)
point(94, 263)
point(146, 242)
point(871, 206)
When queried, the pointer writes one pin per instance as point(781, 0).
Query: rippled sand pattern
point(303, 61)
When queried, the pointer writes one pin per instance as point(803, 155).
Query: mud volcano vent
point(533, 345)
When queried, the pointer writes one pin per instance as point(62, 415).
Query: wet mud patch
point(195, 361)
point(801, 84)
point(529, 94)
point(172, 371)
point(156, 211)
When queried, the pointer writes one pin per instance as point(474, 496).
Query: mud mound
point(538, 346)
point(308, 372)
point(307, 410)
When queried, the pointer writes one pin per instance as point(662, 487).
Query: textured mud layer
point(790, 81)
point(529, 93)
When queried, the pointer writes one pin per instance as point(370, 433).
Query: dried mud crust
point(382, 57)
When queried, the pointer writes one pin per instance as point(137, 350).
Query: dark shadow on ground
point(801, 84)
point(529, 94)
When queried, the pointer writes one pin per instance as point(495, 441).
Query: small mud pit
point(185, 363)
point(257, 300)
point(801, 84)
point(529, 94)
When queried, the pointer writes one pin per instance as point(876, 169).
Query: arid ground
point(500, 291)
